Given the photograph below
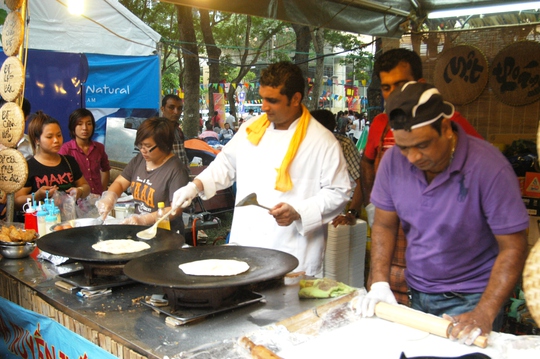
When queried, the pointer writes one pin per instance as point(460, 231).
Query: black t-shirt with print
point(64, 175)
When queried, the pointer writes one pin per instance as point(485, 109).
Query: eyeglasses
point(146, 148)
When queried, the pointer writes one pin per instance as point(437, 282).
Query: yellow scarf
point(256, 131)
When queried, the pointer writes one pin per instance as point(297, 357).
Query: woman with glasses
point(153, 175)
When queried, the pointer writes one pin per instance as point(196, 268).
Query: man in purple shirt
point(458, 200)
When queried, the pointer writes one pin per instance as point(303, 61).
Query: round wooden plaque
point(531, 282)
point(12, 33)
point(13, 170)
point(14, 4)
point(11, 78)
point(461, 74)
point(515, 73)
point(12, 124)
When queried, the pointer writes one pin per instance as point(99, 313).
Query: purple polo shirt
point(450, 224)
point(91, 164)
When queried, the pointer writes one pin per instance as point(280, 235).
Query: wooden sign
point(12, 125)
point(515, 73)
point(13, 170)
point(461, 74)
point(11, 78)
point(12, 33)
point(14, 4)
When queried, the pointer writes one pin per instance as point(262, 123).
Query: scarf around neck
point(256, 131)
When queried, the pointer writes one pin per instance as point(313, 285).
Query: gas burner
point(96, 276)
point(186, 312)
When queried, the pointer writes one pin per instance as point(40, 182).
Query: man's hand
point(183, 196)
point(380, 292)
point(284, 214)
point(468, 326)
point(344, 219)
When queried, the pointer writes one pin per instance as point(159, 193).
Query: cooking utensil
point(150, 233)
point(422, 321)
point(16, 250)
point(161, 268)
point(76, 243)
point(250, 200)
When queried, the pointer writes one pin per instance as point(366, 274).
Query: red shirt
point(378, 125)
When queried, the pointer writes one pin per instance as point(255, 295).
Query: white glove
point(183, 196)
point(106, 203)
point(370, 210)
point(380, 292)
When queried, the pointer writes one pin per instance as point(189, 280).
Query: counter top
point(139, 327)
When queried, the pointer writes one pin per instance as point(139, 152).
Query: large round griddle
point(76, 243)
point(161, 269)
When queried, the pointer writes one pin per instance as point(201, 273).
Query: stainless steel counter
point(139, 328)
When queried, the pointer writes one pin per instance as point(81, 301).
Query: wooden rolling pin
point(422, 321)
point(257, 351)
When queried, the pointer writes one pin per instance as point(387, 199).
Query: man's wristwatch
point(354, 212)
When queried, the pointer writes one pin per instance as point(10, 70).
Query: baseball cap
point(415, 105)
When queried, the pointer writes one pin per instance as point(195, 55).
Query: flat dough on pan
point(120, 246)
point(214, 267)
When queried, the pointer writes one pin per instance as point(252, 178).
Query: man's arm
point(505, 274)
point(383, 241)
point(367, 178)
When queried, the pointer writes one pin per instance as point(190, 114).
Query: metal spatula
point(251, 200)
point(151, 232)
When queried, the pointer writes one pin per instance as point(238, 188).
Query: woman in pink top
point(90, 155)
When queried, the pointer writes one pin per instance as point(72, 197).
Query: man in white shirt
point(310, 187)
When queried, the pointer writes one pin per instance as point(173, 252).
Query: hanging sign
point(13, 170)
point(12, 125)
point(11, 78)
point(12, 33)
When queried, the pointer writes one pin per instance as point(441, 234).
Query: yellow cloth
point(323, 288)
point(256, 131)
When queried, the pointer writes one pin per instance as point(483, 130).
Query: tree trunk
point(318, 45)
point(303, 42)
point(214, 54)
point(192, 71)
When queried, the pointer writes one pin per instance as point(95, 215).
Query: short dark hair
point(37, 121)
point(76, 116)
point(169, 96)
point(287, 74)
point(326, 118)
point(391, 58)
point(161, 129)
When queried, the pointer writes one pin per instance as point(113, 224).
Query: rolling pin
point(257, 351)
point(422, 321)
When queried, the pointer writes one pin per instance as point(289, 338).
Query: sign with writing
point(11, 78)
point(25, 334)
point(461, 74)
point(12, 33)
point(12, 125)
point(13, 170)
point(515, 73)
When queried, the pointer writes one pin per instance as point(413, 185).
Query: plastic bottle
point(30, 219)
point(41, 214)
point(165, 224)
point(50, 222)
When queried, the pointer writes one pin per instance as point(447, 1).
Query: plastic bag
point(66, 204)
point(86, 207)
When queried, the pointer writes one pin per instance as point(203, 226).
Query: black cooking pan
point(161, 269)
point(76, 243)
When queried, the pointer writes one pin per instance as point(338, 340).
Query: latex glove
point(380, 292)
point(106, 203)
point(183, 196)
point(370, 210)
point(140, 219)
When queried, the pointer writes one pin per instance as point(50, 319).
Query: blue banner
point(25, 334)
point(122, 82)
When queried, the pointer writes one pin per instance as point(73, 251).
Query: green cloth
point(323, 288)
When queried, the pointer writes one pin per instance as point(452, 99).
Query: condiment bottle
point(165, 224)
point(50, 222)
point(41, 214)
point(30, 219)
